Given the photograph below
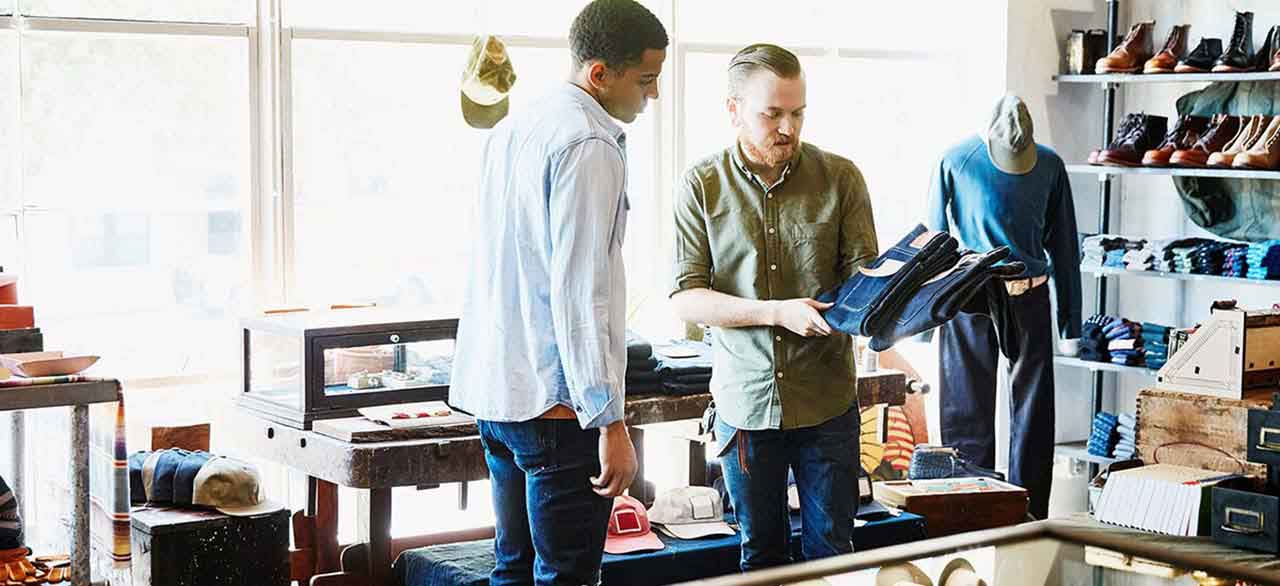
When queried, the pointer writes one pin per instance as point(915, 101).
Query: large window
point(135, 156)
point(228, 11)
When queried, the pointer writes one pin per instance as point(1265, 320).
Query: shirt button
point(771, 230)
point(778, 338)
point(779, 374)
point(773, 267)
point(770, 196)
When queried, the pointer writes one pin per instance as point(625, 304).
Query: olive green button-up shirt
point(802, 236)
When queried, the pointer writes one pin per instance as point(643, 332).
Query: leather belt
point(1018, 287)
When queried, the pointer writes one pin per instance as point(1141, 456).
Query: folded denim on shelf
point(638, 348)
point(679, 389)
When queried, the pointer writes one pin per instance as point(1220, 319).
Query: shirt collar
point(740, 161)
point(595, 110)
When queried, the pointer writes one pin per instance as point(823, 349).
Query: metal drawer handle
point(1269, 439)
point(1230, 526)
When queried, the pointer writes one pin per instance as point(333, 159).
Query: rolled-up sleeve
point(858, 242)
point(691, 267)
point(585, 192)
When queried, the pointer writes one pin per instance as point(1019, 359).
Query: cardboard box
point(957, 505)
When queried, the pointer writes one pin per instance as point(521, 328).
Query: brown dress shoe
point(1186, 131)
point(1174, 47)
point(1244, 139)
point(1222, 129)
point(1132, 52)
point(1142, 135)
point(1265, 152)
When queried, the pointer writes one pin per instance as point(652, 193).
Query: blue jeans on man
point(550, 524)
point(823, 458)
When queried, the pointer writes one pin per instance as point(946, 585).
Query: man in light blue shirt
point(541, 350)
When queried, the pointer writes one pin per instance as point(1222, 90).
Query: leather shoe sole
point(1118, 159)
point(1189, 159)
point(1184, 68)
point(1156, 158)
point(1230, 69)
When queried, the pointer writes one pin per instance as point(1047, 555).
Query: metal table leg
point(80, 494)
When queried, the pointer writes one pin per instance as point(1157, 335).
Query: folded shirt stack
point(1263, 260)
point(642, 366)
point(1140, 259)
point(1155, 340)
point(1114, 259)
point(1103, 439)
point(685, 367)
point(1094, 248)
point(1126, 446)
point(1235, 262)
point(1124, 342)
point(1093, 339)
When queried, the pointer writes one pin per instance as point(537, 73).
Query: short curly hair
point(616, 32)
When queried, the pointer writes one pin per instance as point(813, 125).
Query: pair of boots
point(1135, 51)
point(1224, 141)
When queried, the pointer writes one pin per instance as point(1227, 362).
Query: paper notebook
point(1161, 498)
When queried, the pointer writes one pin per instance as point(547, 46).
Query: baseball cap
point(232, 487)
point(166, 469)
point(1010, 136)
point(486, 82)
point(959, 572)
point(690, 512)
point(629, 529)
point(184, 478)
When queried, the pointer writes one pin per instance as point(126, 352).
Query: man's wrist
point(771, 316)
point(615, 428)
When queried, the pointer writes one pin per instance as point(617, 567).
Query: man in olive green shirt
point(761, 228)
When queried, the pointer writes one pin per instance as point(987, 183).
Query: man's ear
point(734, 116)
point(597, 74)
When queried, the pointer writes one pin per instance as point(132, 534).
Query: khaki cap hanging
point(486, 82)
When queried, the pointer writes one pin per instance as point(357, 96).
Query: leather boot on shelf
point(1128, 147)
point(1131, 53)
point(1265, 153)
point(1222, 129)
point(1174, 48)
point(1202, 58)
point(1125, 126)
point(1186, 131)
point(1238, 57)
point(1269, 55)
point(1244, 139)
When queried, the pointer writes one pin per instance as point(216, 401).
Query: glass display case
point(304, 366)
point(1061, 551)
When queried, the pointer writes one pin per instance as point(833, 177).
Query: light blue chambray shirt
point(543, 318)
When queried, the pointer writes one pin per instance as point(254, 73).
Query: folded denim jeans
point(865, 301)
point(939, 299)
point(681, 389)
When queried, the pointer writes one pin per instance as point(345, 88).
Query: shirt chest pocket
point(814, 246)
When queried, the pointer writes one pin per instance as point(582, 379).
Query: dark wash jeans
point(968, 358)
point(868, 299)
point(823, 458)
point(550, 524)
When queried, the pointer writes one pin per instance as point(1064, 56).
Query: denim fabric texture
point(967, 346)
point(869, 298)
point(824, 459)
point(550, 524)
point(938, 300)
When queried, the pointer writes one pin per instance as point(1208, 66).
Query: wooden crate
point(1198, 431)
point(189, 547)
point(957, 505)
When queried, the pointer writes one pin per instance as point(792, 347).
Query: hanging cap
point(486, 82)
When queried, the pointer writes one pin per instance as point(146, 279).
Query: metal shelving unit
point(1167, 77)
point(1103, 170)
point(1080, 451)
point(1112, 271)
point(1102, 366)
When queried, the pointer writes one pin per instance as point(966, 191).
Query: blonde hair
point(761, 56)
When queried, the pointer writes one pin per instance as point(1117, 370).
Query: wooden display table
point(380, 466)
